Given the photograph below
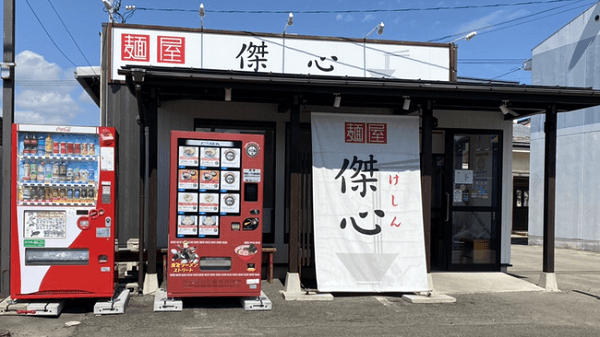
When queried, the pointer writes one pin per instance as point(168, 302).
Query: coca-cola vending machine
point(215, 219)
point(63, 212)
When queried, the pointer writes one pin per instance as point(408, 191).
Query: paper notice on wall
point(368, 219)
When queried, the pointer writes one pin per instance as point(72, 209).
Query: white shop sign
point(254, 53)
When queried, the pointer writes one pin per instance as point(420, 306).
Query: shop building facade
point(465, 139)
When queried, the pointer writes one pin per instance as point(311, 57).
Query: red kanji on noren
point(354, 132)
point(135, 47)
point(171, 49)
point(377, 133)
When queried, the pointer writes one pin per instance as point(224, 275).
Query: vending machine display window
point(208, 185)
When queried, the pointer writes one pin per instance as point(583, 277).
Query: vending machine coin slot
point(105, 193)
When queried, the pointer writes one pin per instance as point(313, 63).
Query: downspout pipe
point(137, 76)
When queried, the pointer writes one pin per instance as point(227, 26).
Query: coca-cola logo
point(63, 129)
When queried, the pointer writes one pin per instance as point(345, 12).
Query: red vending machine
point(215, 220)
point(63, 212)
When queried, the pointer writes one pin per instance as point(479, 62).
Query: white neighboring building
point(569, 57)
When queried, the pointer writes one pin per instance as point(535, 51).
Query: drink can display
point(69, 174)
point(41, 146)
point(26, 193)
point(40, 192)
point(77, 148)
point(63, 148)
point(91, 193)
point(84, 149)
point(47, 193)
point(76, 193)
point(54, 193)
point(55, 148)
point(84, 193)
point(70, 148)
point(70, 193)
point(91, 149)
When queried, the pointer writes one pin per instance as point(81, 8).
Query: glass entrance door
point(473, 173)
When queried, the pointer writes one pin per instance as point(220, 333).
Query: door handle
point(447, 206)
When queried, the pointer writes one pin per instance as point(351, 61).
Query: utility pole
point(8, 116)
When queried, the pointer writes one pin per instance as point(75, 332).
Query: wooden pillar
point(294, 187)
point(549, 188)
point(426, 175)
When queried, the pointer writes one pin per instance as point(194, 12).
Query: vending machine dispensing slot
point(215, 231)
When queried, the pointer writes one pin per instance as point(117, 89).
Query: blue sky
point(47, 92)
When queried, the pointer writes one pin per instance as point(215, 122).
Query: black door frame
point(496, 200)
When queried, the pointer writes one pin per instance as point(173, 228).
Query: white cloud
point(368, 17)
point(342, 17)
point(491, 19)
point(39, 102)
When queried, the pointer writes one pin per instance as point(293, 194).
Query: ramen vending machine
point(215, 220)
point(63, 212)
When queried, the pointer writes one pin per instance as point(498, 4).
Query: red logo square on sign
point(377, 133)
point(171, 49)
point(354, 132)
point(135, 47)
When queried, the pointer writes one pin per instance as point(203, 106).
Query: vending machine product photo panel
point(215, 214)
point(63, 212)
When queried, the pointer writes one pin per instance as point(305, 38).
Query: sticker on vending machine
point(187, 225)
point(209, 179)
point(187, 202)
point(188, 179)
point(230, 157)
point(230, 180)
point(209, 156)
point(230, 203)
point(209, 225)
point(209, 202)
point(188, 156)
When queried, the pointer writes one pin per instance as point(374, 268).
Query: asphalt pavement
point(574, 311)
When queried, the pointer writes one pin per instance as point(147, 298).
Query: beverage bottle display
point(70, 193)
point(41, 146)
point(91, 174)
point(48, 172)
point(62, 172)
point(76, 193)
point(48, 145)
point(33, 144)
point(55, 172)
point(26, 144)
point(26, 193)
point(41, 192)
point(26, 171)
point(33, 169)
point(69, 174)
point(83, 193)
point(34, 193)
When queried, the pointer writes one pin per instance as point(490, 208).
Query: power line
point(72, 38)
point(50, 37)
point(543, 17)
point(505, 22)
point(354, 10)
point(508, 73)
